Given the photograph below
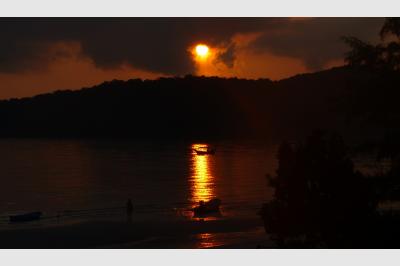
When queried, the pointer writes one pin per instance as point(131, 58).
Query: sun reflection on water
point(207, 240)
point(202, 186)
point(202, 181)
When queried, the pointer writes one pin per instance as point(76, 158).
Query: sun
point(202, 51)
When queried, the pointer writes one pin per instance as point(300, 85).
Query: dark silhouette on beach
point(129, 209)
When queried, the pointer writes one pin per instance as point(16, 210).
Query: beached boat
point(204, 151)
point(26, 217)
point(207, 208)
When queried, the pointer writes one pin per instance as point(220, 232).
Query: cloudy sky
point(39, 55)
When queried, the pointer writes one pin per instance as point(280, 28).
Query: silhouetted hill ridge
point(189, 107)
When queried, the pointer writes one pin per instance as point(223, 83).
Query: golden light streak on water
point(201, 181)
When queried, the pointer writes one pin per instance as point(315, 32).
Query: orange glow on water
point(207, 240)
point(201, 181)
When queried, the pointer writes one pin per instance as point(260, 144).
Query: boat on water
point(207, 208)
point(26, 217)
point(204, 151)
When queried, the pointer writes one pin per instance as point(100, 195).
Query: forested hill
point(189, 107)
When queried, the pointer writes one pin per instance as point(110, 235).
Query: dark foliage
point(384, 56)
point(319, 199)
point(373, 99)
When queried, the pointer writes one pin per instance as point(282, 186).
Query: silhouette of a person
point(129, 209)
point(202, 205)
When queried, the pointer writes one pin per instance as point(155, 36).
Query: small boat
point(204, 151)
point(26, 217)
point(207, 208)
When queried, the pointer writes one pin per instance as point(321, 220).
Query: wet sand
point(225, 233)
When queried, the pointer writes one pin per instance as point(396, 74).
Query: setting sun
point(202, 51)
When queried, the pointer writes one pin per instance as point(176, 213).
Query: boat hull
point(32, 216)
point(208, 209)
point(198, 152)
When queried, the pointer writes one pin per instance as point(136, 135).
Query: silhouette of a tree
point(319, 198)
point(391, 27)
point(362, 53)
point(385, 55)
point(374, 98)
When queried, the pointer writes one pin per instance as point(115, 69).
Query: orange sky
point(72, 72)
point(76, 71)
point(44, 55)
point(65, 74)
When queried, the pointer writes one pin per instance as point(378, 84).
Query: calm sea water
point(164, 180)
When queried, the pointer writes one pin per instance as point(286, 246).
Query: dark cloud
point(229, 56)
point(317, 41)
point(160, 44)
point(155, 44)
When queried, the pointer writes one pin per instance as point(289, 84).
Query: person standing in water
point(129, 209)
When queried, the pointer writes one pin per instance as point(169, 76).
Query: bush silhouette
point(319, 198)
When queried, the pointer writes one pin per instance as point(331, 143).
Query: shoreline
point(223, 233)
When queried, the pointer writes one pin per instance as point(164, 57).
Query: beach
point(222, 233)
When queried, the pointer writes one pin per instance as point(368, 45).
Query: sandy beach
point(225, 233)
